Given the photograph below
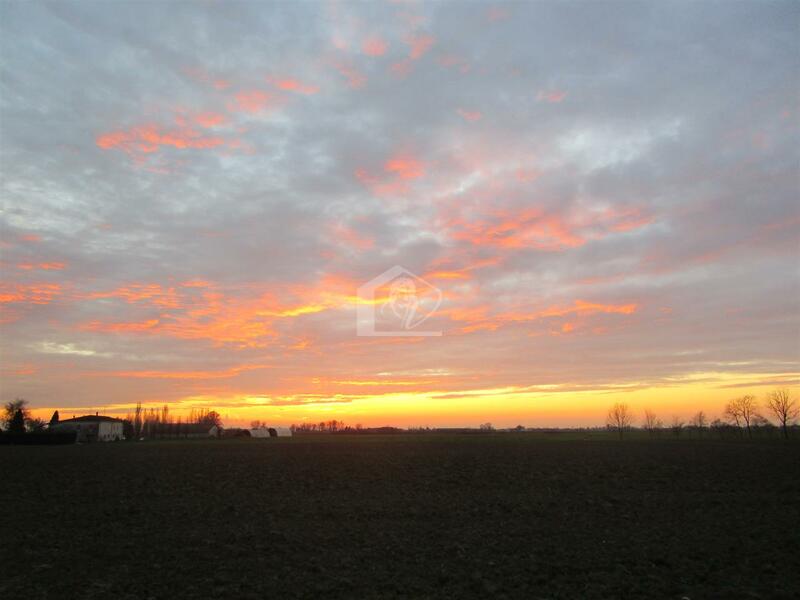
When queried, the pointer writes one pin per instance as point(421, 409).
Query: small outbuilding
point(90, 428)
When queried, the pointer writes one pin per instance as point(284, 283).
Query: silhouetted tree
point(211, 418)
point(127, 428)
point(742, 410)
point(650, 422)
point(137, 421)
point(11, 409)
point(676, 426)
point(699, 421)
point(17, 422)
point(619, 418)
point(34, 424)
point(54, 418)
point(785, 409)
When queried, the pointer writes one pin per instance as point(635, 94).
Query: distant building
point(265, 432)
point(91, 428)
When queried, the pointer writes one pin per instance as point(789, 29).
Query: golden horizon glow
point(530, 406)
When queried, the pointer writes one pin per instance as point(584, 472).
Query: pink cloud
point(209, 119)
point(469, 115)
point(405, 167)
point(147, 139)
point(551, 96)
point(254, 101)
point(452, 61)
point(497, 13)
point(354, 78)
point(374, 46)
point(419, 45)
point(293, 85)
point(535, 228)
point(397, 172)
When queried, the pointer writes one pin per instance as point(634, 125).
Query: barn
point(91, 428)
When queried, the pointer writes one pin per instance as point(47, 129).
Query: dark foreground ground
point(454, 516)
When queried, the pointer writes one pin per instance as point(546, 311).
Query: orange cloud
point(478, 318)
point(405, 167)
point(538, 229)
point(122, 327)
point(228, 373)
point(202, 311)
point(374, 46)
point(146, 139)
point(397, 172)
point(530, 228)
point(52, 266)
point(447, 275)
point(37, 293)
point(154, 294)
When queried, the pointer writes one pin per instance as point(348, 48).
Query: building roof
point(90, 419)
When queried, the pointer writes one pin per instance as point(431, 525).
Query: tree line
point(332, 426)
point(741, 416)
point(142, 423)
point(159, 422)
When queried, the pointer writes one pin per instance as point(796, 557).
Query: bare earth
point(456, 516)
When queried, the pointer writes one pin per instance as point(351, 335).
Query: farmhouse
point(91, 428)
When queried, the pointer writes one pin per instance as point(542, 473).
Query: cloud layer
point(606, 196)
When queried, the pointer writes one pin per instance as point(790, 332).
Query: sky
point(399, 213)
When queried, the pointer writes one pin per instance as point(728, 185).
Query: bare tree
point(676, 426)
point(784, 408)
point(742, 410)
point(651, 423)
point(699, 422)
point(619, 418)
point(137, 421)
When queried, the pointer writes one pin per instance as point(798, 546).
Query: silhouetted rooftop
point(91, 418)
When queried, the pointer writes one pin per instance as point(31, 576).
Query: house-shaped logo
point(396, 303)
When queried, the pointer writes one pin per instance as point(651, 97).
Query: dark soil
point(401, 516)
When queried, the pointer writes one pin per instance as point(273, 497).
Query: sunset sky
point(605, 195)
